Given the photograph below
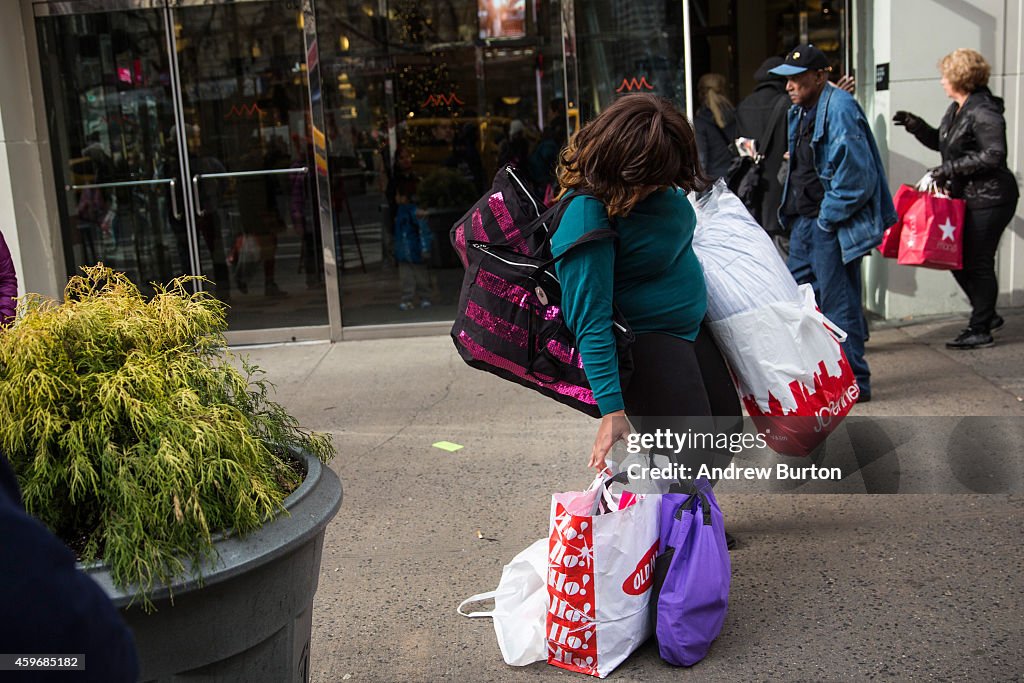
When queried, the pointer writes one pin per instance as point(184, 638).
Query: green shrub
point(133, 436)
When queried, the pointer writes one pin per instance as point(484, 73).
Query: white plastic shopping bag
point(792, 375)
point(600, 572)
point(742, 268)
point(786, 357)
point(520, 606)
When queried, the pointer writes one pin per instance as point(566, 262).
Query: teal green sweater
point(653, 276)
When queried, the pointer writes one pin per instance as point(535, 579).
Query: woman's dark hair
point(640, 143)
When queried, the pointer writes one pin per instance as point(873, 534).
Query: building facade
point(291, 151)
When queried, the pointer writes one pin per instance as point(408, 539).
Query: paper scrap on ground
point(447, 446)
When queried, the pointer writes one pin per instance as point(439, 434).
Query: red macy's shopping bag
point(903, 200)
point(933, 230)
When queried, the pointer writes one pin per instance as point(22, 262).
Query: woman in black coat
point(972, 141)
point(715, 123)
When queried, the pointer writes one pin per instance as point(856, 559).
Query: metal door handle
point(243, 174)
point(127, 183)
point(239, 174)
point(174, 201)
point(195, 194)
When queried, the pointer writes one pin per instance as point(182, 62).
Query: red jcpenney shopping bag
point(932, 233)
point(790, 371)
point(903, 200)
point(600, 573)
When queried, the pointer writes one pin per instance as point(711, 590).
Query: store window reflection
point(638, 46)
point(424, 101)
point(110, 119)
point(627, 46)
point(732, 38)
point(245, 103)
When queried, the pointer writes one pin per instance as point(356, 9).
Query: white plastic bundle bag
point(520, 606)
point(768, 348)
point(792, 375)
point(787, 358)
point(742, 268)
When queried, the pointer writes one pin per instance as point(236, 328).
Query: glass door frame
point(189, 181)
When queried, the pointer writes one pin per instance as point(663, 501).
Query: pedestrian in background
point(836, 198)
point(411, 236)
point(761, 116)
point(971, 139)
point(715, 123)
point(515, 148)
point(8, 285)
point(543, 160)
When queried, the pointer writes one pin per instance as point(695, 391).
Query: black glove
point(910, 121)
point(942, 174)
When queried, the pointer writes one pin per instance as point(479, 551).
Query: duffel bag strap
point(592, 236)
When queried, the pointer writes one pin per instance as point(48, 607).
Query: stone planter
point(251, 618)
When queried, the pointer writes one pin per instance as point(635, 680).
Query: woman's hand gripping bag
point(692, 576)
point(600, 572)
point(520, 606)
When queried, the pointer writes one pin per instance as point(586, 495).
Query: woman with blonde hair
point(972, 141)
point(630, 169)
point(715, 123)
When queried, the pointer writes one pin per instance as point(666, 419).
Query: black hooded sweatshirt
point(48, 607)
point(753, 116)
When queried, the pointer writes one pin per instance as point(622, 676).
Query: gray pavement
point(829, 583)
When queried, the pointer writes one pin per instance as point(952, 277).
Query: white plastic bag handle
point(599, 482)
point(928, 184)
point(811, 307)
point(837, 332)
point(476, 598)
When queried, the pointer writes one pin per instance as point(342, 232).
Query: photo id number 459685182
point(36, 662)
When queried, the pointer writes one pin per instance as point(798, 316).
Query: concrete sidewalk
point(833, 586)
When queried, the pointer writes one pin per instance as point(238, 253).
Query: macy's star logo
point(948, 231)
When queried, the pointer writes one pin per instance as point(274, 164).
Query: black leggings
point(679, 386)
point(982, 230)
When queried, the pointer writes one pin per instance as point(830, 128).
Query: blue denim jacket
point(857, 203)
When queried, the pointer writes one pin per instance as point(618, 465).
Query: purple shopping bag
point(691, 576)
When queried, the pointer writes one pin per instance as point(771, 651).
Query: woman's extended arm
point(919, 128)
point(587, 276)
